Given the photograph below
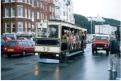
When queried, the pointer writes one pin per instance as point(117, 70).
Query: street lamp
point(91, 26)
point(91, 20)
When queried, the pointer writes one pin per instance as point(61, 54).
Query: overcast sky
point(94, 8)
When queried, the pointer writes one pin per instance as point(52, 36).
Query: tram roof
point(67, 24)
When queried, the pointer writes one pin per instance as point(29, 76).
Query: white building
point(105, 29)
point(64, 10)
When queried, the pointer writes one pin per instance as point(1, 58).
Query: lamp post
point(91, 21)
point(91, 26)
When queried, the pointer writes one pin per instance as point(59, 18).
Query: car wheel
point(107, 52)
point(96, 51)
point(93, 51)
point(41, 55)
point(8, 55)
point(61, 58)
point(24, 53)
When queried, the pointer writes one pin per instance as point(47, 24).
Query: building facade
point(105, 29)
point(24, 15)
point(64, 10)
point(20, 16)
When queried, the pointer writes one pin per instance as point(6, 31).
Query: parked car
point(21, 47)
point(101, 42)
point(2, 45)
point(9, 36)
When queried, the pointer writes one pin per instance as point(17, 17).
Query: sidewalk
point(119, 70)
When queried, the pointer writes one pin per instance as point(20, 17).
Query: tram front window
point(50, 32)
point(42, 32)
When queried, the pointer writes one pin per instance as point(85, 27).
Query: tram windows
point(64, 45)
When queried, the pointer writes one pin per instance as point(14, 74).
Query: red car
point(18, 47)
point(101, 42)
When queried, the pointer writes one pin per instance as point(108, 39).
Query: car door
point(31, 48)
point(28, 47)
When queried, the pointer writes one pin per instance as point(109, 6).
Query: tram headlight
point(57, 55)
point(36, 53)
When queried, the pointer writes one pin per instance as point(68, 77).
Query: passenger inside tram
point(73, 39)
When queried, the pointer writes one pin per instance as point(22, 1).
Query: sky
point(102, 8)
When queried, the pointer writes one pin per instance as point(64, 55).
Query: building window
point(2, 1)
point(29, 13)
point(25, 12)
point(32, 16)
point(37, 15)
point(13, 25)
point(20, 27)
point(20, 0)
point(13, 12)
point(29, 27)
point(26, 27)
point(41, 4)
point(25, 1)
point(8, 28)
point(46, 6)
point(20, 11)
point(7, 12)
point(13, 0)
point(41, 16)
point(29, 1)
point(32, 28)
point(7, 1)
point(37, 3)
point(33, 2)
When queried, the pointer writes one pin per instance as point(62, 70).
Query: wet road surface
point(80, 67)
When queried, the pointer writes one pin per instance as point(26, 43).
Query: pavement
point(119, 70)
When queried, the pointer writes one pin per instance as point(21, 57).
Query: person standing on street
point(114, 53)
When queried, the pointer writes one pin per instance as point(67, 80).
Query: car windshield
point(12, 43)
point(11, 36)
point(102, 37)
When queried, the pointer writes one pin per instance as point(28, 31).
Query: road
point(79, 67)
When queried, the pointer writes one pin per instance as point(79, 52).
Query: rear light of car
point(5, 48)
